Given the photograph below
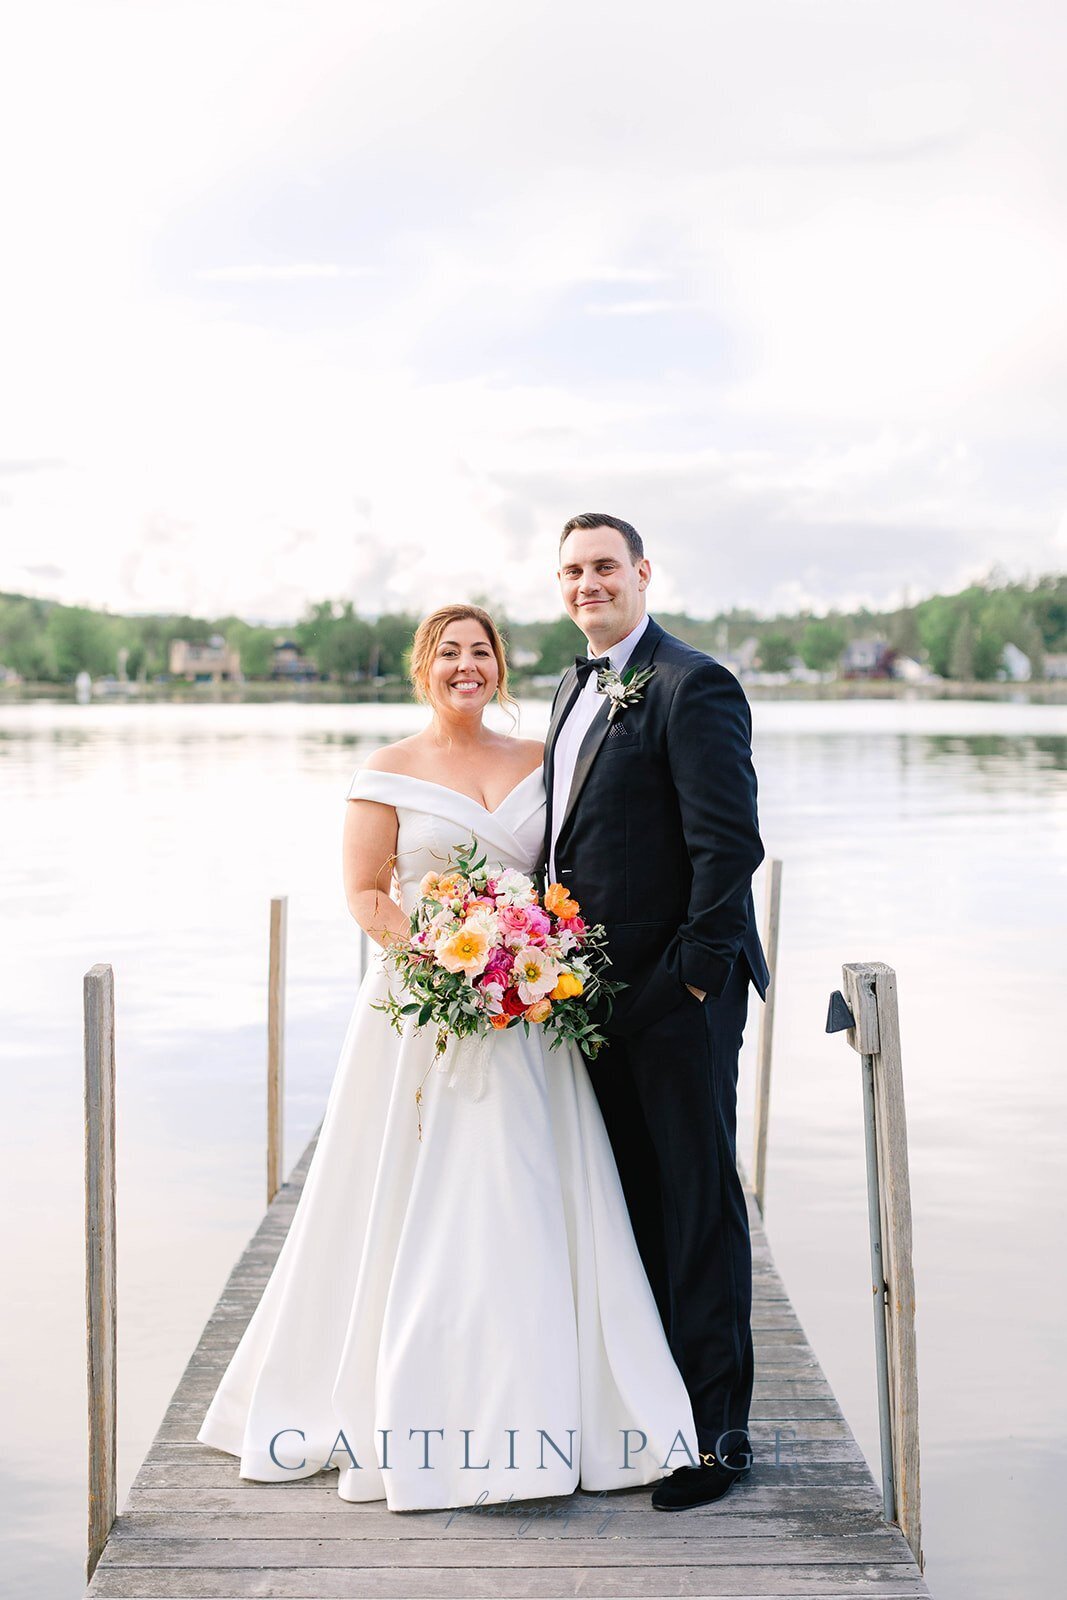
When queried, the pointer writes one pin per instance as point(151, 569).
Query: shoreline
point(1053, 692)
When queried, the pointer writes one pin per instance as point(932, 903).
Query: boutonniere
point(622, 691)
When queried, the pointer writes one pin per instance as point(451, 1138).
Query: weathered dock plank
point(806, 1523)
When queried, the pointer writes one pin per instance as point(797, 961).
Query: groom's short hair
point(598, 519)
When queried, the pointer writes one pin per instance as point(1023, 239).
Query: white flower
point(622, 691)
point(485, 918)
point(534, 974)
point(514, 888)
point(492, 998)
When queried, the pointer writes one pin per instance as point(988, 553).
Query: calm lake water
point(931, 836)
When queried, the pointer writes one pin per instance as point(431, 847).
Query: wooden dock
point(807, 1522)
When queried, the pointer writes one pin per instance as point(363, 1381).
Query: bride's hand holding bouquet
point(485, 952)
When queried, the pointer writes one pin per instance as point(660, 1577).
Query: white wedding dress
point(464, 1319)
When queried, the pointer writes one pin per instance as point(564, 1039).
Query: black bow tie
point(584, 665)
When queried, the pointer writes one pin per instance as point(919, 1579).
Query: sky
point(363, 301)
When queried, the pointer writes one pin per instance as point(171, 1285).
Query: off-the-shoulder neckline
point(428, 783)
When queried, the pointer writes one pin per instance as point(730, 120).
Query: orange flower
point(539, 1011)
point(567, 986)
point(501, 1020)
point(465, 950)
point(559, 902)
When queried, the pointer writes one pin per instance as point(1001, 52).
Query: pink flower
point(499, 966)
point(511, 920)
point(575, 925)
point(538, 924)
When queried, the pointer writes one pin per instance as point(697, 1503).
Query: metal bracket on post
point(839, 1017)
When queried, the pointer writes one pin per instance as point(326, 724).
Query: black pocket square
point(618, 730)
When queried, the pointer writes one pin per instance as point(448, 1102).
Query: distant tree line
point(959, 636)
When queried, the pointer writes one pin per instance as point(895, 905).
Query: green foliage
point(961, 656)
point(346, 647)
point(1030, 640)
point(81, 641)
point(960, 635)
point(964, 634)
point(937, 620)
point(561, 641)
point(707, 634)
point(256, 646)
point(776, 652)
point(903, 632)
point(25, 644)
point(1048, 607)
point(821, 645)
point(393, 634)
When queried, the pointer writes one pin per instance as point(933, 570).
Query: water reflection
point(929, 837)
point(1049, 753)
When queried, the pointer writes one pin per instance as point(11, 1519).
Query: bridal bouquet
point(484, 951)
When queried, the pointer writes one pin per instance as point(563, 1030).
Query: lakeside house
point(867, 658)
point(214, 662)
point(907, 670)
point(1016, 664)
point(289, 666)
point(741, 661)
point(800, 672)
point(521, 658)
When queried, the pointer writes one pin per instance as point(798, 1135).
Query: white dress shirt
point(573, 730)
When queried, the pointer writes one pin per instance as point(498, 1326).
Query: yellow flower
point(539, 1011)
point(567, 986)
point(559, 902)
point(466, 950)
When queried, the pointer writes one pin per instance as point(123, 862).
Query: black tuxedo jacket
point(660, 837)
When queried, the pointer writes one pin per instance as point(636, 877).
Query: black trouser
point(669, 1098)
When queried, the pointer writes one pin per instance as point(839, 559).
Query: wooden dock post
point(870, 989)
point(766, 1029)
point(100, 1303)
point(276, 1045)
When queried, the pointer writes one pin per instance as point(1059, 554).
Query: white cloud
point(639, 308)
point(319, 299)
point(294, 272)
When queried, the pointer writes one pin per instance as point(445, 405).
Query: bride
point(458, 1314)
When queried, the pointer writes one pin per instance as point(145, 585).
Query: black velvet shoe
point(696, 1486)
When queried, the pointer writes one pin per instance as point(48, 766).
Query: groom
point(652, 825)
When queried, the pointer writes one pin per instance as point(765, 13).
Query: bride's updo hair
point(428, 636)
